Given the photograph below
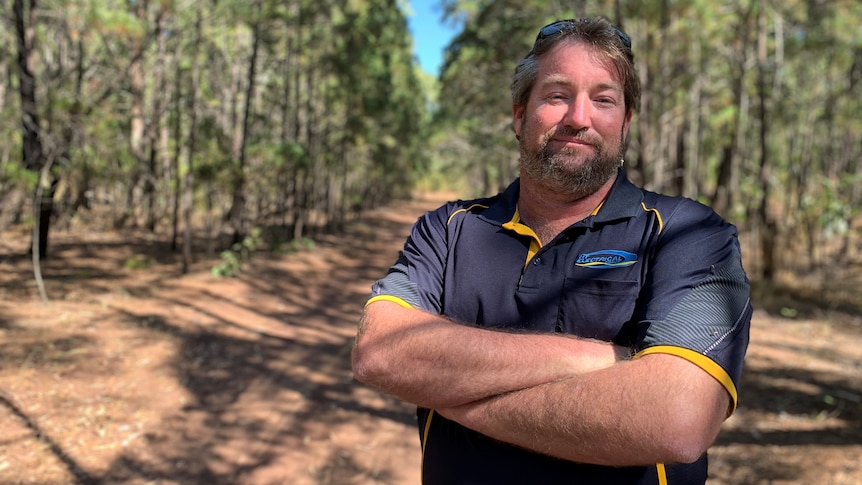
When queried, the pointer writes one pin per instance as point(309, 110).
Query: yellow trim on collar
point(710, 366)
point(596, 210)
point(524, 230)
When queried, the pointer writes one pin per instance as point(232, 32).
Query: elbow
point(366, 368)
point(372, 364)
point(689, 436)
point(686, 450)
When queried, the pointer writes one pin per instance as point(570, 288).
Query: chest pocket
point(596, 308)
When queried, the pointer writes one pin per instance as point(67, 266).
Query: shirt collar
point(622, 202)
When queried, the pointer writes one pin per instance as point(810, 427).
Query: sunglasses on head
point(571, 24)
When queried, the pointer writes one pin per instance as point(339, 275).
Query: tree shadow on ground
point(778, 391)
point(222, 374)
point(829, 299)
point(263, 378)
point(230, 363)
point(258, 387)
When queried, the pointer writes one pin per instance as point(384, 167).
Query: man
point(574, 328)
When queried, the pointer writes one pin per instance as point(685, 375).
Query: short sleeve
point(416, 278)
point(698, 295)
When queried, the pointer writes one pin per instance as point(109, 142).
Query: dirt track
point(142, 376)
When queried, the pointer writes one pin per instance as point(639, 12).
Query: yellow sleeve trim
point(393, 299)
point(700, 360)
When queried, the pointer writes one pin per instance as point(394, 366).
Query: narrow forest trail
point(144, 376)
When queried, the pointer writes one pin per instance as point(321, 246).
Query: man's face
point(573, 128)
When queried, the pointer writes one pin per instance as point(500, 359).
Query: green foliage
point(18, 175)
point(113, 19)
point(138, 261)
point(295, 246)
point(342, 118)
point(833, 208)
point(716, 76)
point(238, 255)
point(788, 312)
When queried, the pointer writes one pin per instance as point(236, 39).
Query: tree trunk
point(154, 128)
point(286, 187)
point(237, 210)
point(723, 195)
point(768, 228)
point(33, 156)
point(177, 133)
point(189, 183)
point(137, 129)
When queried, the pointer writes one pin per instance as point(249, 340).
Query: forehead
point(577, 62)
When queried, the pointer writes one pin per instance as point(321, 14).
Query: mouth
point(568, 140)
point(571, 139)
point(570, 143)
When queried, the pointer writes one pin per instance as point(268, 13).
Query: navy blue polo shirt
point(657, 274)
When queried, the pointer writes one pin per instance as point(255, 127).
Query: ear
point(518, 112)
point(627, 123)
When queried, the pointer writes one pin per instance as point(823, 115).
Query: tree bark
point(237, 210)
point(189, 182)
point(724, 193)
point(768, 228)
point(33, 155)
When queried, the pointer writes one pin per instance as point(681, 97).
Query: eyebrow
point(559, 79)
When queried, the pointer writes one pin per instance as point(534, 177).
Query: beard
point(567, 170)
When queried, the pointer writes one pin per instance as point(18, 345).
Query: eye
point(556, 97)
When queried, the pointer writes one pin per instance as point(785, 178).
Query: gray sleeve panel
point(712, 319)
point(396, 283)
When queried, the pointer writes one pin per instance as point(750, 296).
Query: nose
point(579, 113)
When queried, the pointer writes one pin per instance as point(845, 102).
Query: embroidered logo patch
point(607, 258)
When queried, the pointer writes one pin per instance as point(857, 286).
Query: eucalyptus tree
point(33, 156)
point(816, 142)
point(383, 104)
point(131, 102)
point(73, 56)
point(475, 79)
point(236, 213)
point(11, 197)
point(742, 100)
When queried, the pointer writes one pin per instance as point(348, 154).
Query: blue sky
point(430, 37)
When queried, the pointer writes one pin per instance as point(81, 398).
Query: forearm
point(434, 362)
point(658, 409)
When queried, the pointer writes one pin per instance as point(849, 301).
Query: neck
point(549, 212)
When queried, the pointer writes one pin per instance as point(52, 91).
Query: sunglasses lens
point(560, 25)
point(627, 41)
point(552, 29)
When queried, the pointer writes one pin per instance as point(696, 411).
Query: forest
point(150, 145)
point(286, 118)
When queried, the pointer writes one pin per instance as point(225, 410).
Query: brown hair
point(607, 40)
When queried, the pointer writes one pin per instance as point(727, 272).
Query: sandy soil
point(144, 376)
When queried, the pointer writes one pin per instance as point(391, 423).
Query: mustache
point(577, 134)
point(570, 132)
